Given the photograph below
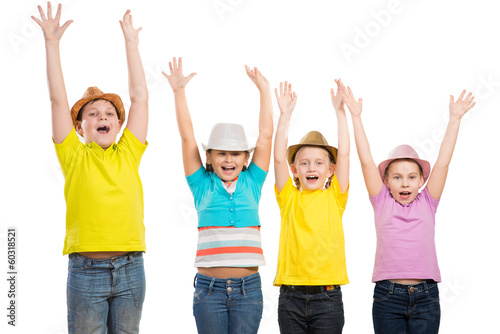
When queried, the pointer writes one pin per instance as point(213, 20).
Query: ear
point(421, 182)
point(331, 170)
point(209, 157)
point(386, 181)
point(247, 158)
point(120, 123)
point(293, 169)
point(78, 128)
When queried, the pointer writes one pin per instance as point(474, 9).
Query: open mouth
point(103, 129)
point(405, 194)
point(228, 169)
point(312, 178)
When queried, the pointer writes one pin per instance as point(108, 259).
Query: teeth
point(312, 177)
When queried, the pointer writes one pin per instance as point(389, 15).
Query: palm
point(52, 30)
point(286, 98)
point(176, 79)
point(462, 105)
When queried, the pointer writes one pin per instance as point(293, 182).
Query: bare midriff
point(102, 255)
point(226, 272)
point(407, 281)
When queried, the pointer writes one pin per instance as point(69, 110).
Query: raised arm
point(342, 163)
point(138, 90)
point(373, 180)
point(458, 108)
point(52, 32)
point(286, 102)
point(177, 80)
point(262, 153)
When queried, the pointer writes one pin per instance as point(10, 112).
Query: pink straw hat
point(405, 152)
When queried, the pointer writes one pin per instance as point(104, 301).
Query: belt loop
point(391, 287)
point(211, 286)
point(243, 286)
point(194, 280)
point(130, 256)
point(426, 287)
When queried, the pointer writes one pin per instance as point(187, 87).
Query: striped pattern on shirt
point(220, 246)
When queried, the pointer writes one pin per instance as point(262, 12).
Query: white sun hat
point(228, 137)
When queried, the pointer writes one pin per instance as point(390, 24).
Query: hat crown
point(91, 92)
point(314, 138)
point(403, 151)
point(228, 137)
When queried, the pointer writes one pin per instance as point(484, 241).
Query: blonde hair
point(331, 160)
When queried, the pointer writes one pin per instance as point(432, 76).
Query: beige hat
point(405, 152)
point(228, 137)
point(94, 93)
point(313, 138)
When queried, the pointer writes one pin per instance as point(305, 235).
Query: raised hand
point(257, 78)
point(176, 79)
point(286, 98)
point(337, 100)
point(462, 105)
point(131, 35)
point(355, 107)
point(52, 31)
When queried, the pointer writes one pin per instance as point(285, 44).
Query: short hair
point(80, 112)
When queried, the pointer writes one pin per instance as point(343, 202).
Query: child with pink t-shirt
point(406, 272)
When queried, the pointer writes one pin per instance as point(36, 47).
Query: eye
point(111, 114)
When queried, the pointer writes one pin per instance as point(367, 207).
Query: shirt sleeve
point(130, 144)
point(383, 193)
point(285, 193)
point(66, 150)
point(341, 197)
point(257, 177)
point(195, 182)
point(433, 203)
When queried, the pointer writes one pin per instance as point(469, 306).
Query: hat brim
point(228, 148)
point(292, 151)
point(113, 98)
point(424, 164)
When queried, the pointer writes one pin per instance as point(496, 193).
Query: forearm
point(57, 88)
point(266, 117)
point(342, 164)
point(448, 143)
point(362, 144)
point(138, 89)
point(184, 121)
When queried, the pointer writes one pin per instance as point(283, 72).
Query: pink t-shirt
point(405, 237)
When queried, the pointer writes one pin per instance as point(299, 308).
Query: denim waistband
point(407, 288)
point(230, 284)
point(76, 259)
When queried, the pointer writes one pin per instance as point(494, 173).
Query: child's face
point(99, 124)
point(312, 167)
point(403, 179)
point(227, 164)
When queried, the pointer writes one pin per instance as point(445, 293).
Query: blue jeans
point(232, 305)
point(300, 312)
point(400, 309)
point(105, 296)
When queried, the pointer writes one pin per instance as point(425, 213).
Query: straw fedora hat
point(405, 152)
point(94, 93)
point(313, 138)
point(228, 137)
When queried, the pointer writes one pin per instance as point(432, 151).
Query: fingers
point(171, 68)
point(37, 21)
point(175, 64)
point(180, 64)
point(66, 25)
point(49, 10)
point(58, 13)
point(165, 74)
point(42, 14)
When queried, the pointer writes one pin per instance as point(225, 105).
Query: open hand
point(257, 78)
point(176, 79)
point(337, 100)
point(462, 105)
point(131, 35)
point(355, 107)
point(286, 98)
point(52, 31)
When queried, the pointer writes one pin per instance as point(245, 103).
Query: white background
point(404, 58)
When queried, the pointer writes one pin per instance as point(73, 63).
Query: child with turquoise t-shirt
point(406, 271)
point(103, 191)
point(311, 258)
point(228, 296)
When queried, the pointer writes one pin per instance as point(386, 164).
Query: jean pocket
point(432, 294)
point(200, 294)
point(380, 294)
point(285, 295)
point(332, 299)
point(254, 296)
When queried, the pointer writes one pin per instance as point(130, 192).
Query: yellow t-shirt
point(103, 192)
point(311, 249)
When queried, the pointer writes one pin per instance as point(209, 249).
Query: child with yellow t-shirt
point(103, 190)
point(311, 258)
